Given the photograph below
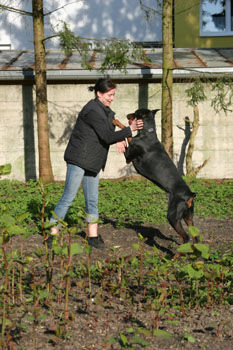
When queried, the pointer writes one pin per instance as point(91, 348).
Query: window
point(216, 17)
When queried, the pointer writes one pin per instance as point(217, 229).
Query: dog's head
point(141, 114)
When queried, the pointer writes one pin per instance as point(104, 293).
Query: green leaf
point(195, 274)
point(5, 169)
point(7, 322)
point(130, 330)
point(123, 339)
point(204, 249)
point(7, 220)
point(22, 217)
point(76, 248)
point(173, 321)
point(144, 331)
point(45, 295)
point(189, 338)
point(193, 231)
point(15, 230)
point(163, 334)
point(111, 340)
point(185, 248)
point(73, 230)
point(57, 250)
point(138, 340)
point(88, 249)
point(135, 246)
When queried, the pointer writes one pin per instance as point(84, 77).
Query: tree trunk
point(167, 80)
point(191, 171)
point(45, 167)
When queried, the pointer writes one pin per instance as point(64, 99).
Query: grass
point(122, 200)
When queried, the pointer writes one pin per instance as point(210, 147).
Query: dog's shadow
point(149, 233)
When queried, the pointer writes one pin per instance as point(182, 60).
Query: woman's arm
point(99, 124)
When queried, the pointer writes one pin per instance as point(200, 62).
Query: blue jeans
point(75, 176)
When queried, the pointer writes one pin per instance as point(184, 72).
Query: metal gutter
point(144, 73)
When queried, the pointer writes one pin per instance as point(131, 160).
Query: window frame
point(228, 31)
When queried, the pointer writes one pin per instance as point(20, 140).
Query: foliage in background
point(222, 88)
point(116, 53)
point(5, 169)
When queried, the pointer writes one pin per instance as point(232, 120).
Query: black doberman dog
point(152, 161)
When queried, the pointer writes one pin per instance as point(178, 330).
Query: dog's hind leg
point(175, 213)
point(180, 230)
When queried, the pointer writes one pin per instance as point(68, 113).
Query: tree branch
point(59, 8)
point(149, 10)
point(12, 9)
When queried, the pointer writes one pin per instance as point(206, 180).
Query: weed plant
point(35, 286)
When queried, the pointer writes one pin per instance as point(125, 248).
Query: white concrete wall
point(18, 140)
point(93, 19)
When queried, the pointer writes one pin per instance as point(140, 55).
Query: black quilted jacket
point(92, 134)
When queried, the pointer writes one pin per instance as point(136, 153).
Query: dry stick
point(49, 262)
point(67, 280)
point(20, 271)
point(13, 285)
point(59, 297)
point(181, 298)
point(5, 286)
point(61, 268)
point(12, 280)
point(140, 265)
point(89, 272)
point(116, 122)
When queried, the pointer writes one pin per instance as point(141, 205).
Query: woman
point(86, 155)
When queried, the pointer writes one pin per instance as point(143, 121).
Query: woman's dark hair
point(102, 85)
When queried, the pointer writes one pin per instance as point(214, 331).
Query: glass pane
point(213, 16)
point(232, 15)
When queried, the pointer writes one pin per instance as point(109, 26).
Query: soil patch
point(202, 328)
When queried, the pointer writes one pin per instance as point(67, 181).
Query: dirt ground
point(212, 328)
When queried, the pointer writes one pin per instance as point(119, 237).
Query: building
point(203, 24)
point(197, 53)
point(92, 19)
point(139, 88)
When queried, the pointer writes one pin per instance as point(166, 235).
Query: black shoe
point(96, 242)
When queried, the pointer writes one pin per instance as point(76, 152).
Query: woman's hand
point(120, 146)
point(137, 124)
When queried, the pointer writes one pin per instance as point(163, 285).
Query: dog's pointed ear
point(155, 111)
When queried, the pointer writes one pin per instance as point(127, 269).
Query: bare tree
point(37, 14)
point(167, 79)
point(45, 166)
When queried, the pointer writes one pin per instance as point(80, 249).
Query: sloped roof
point(19, 65)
